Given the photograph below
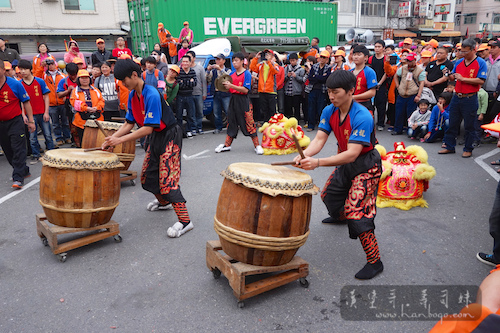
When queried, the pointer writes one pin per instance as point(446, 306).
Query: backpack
point(157, 75)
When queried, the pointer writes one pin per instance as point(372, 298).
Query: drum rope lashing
point(76, 210)
point(259, 242)
point(124, 157)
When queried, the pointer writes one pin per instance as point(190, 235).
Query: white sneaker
point(189, 134)
point(178, 229)
point(221, 148)
point(259, 150)
point(155, 205)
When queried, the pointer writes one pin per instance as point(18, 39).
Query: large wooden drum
point(79, 189)
point(263, 213)
point(93, 137)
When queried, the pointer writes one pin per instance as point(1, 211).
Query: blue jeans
point(186, 102)
point(439, 132)
point(317, 103)
point(418, 132)
point(404, 109)
point(47, 134)
point(220, 102)
point(466, 109)
point(59, 122)
point(198, 105)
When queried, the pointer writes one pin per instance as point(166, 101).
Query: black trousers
point(267, 105)
point(292, 106)
point(13, 142)
point(381, 104)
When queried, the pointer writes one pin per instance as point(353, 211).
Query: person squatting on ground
point(418, 121)
point(438, 124)
point(351, 191)
point(12, 139)
point(239, 114)
point(161, 169)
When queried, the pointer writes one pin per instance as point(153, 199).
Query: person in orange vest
point(87, 102)
point(39, 64)
point(167, 43)
point(57, 112)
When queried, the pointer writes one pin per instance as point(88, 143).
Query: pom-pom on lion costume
point(277, 135)
point(405, 177)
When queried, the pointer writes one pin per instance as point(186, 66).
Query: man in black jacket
point(187, 80)
point(101, 55)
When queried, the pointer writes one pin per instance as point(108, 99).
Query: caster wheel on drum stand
point(303, 282)
point(62, 257)
point(216, 273)
point(241, 304)
point(118, 238)
point(45, 242)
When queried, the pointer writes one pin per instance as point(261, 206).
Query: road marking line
point(16, 192)
point(486, 166)
point(195, 156)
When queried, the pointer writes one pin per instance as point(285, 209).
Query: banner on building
point(404, 9)
point(442, 9)
point(448, 26)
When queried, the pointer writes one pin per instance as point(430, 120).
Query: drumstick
point(118, 118)
point(101, 128)
point(283, 163)
point(299, 148)
point(92, 149)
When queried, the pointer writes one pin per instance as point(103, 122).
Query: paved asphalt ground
point(151, 283)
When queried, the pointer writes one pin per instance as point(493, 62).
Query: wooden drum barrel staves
point(93, 137)
point(79, 189)
point(263, 213)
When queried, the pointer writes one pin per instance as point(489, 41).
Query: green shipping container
point(221, 18)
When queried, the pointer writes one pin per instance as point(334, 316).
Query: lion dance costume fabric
point(405, 177)
point(277, 135)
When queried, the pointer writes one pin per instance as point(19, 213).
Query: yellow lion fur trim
point(263, 127)
point(278, 129)
point(381, 150)
point(387, 167)
point(401, 204)
point(268, 151)
point(418, 152)
point(424, 172)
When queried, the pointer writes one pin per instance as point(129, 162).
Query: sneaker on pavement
point(259, 150)
point(220, 148)
point(380, 128)
point(216, 131)
point(200, 132)
point(486, 259)
point(178, 229)
point(68, 140)
point(35, 160)
point(59, 143)
point(17, 185)
point(189, 134)
point(155, 205)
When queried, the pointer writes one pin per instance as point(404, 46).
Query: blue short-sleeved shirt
point(357, 126)
point(365, 80)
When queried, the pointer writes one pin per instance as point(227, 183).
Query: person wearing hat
point(483, 51)
point(186, 33)
point(409, 80)
point(425, 59)
point(74, 52)
point(12, 137)
point(161, 169)
point(164, 41)
point(220, 98)
point(317, 89)
point(79, 62)
point(339, 63)
point(171, 86)
point(470, 73)
point(366, 79)
point(436, 69)
point(492, 79)
point(267, 70)
point(7, 54)
point(39, 99)
point(8, 69)
point(57, 112)
point(120, 48)
point(100, 55)
point(294, 85)
point(87, 102)
point(407, 43)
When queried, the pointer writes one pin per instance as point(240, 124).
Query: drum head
point(270, 179)
point(107, 125)
point(79, 159)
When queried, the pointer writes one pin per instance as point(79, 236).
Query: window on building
point(496, 18)
point(470, 18)
point(373, 8)
point(78, 4)
point(458, 2)
point(5, 4)
point(458, 18)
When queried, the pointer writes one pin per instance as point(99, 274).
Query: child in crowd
point(450, 87)
point(438, 124)
point(184, 49)
point(418, 121)
point(482, 99)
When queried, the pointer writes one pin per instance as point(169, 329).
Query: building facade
point(26, 23)
point(478, 18)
